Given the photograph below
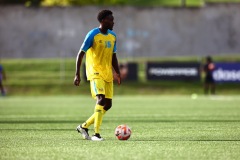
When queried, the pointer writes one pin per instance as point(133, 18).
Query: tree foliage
point(24, 2)
point(87, 2)
point(171, 3)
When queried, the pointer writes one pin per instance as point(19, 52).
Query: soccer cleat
point(84, 132)
point(97, 137)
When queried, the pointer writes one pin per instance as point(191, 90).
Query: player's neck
point(103, 30)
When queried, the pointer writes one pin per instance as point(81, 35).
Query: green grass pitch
point(163, 127)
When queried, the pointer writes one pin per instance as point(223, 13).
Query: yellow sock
point(98, 118)
point(90, 120)
point(104, 111)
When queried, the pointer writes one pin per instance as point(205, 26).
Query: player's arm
point(87, 43)
point(116, 67)
point(79, 59)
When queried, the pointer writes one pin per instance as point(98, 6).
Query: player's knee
point(108, 104)
point(107, 107)
point(101, 99)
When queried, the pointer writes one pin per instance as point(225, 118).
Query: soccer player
point(100, 49)
point(2, 77)
point(209, 83)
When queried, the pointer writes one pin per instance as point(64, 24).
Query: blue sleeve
point(115, 43)
point(88, 41)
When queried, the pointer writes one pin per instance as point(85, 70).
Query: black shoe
point(83, 131)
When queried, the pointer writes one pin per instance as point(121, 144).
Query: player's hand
point(77, 80)
point(119, 79)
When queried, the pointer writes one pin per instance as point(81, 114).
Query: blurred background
point(162, 44)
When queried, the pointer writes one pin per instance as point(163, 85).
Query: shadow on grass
point(31, 129)
point(160, 139)
point(188, 140)
point(125, 121)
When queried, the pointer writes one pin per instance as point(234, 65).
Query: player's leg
point(83, 128)
point(94, 93)
point(83, 132)
point(90, 120)
point(98, 117)
point(108, 102)
point(108, 88)
point(99, 112)
point(107, 105)
point(96, 89)
point(108, 96)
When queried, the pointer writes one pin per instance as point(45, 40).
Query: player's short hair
point(102, 14)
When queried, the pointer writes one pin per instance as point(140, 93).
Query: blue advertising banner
point(227, 72)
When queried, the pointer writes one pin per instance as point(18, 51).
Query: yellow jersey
point(99, 49)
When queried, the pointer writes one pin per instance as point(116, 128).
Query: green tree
point(21, 2)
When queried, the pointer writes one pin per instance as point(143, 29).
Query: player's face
point(109, 22)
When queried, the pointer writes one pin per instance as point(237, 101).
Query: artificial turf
point(163, 127)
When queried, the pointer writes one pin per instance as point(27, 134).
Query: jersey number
point(107, 44)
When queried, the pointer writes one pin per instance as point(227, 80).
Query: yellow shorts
point(99, 86)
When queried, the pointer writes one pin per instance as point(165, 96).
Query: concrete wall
point(143, 32)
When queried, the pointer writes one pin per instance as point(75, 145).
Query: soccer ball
point(123, 132)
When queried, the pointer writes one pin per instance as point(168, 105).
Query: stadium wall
point(142, 32)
